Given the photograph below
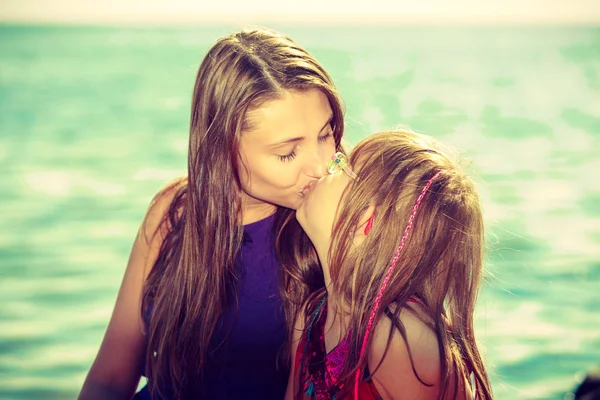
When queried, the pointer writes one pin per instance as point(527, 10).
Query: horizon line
point(187, 20)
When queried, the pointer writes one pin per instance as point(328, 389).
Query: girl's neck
point(337, 323)
point(338, 315)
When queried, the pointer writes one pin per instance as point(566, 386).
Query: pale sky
point(403, 11)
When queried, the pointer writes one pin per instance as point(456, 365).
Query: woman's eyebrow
point(287, 141)
point(326, 123)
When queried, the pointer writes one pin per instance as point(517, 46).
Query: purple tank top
point(247, 341)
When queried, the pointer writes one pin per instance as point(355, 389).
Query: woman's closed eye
point(325, 137)
point(288, 157)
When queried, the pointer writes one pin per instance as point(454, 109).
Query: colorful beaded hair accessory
point(388, 276)
point(340, 162)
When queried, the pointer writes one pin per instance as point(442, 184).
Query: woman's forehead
point(294, 115)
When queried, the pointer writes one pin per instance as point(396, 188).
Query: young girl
point(399, 233)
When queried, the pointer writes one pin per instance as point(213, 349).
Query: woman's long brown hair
point(193, 278)
point(440, 264)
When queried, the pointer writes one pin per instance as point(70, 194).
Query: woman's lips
point(307, 188)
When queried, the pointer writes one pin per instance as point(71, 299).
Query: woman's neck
point(253, 211)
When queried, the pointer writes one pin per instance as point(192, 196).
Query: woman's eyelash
point(324, 138)
point(288, 157)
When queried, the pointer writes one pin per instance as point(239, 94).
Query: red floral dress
point(318, 370)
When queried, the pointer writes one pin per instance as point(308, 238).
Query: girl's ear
point(364, 225)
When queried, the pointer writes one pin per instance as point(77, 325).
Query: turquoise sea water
point(93, 121)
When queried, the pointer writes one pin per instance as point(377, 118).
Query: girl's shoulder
point(415, 356)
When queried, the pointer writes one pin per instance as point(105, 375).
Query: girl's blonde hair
point(440, 264)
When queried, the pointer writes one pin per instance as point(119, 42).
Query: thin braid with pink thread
point(388, 276)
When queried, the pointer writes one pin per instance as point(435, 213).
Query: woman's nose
point(317, 165)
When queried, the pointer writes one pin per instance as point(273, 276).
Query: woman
point(220, 265)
